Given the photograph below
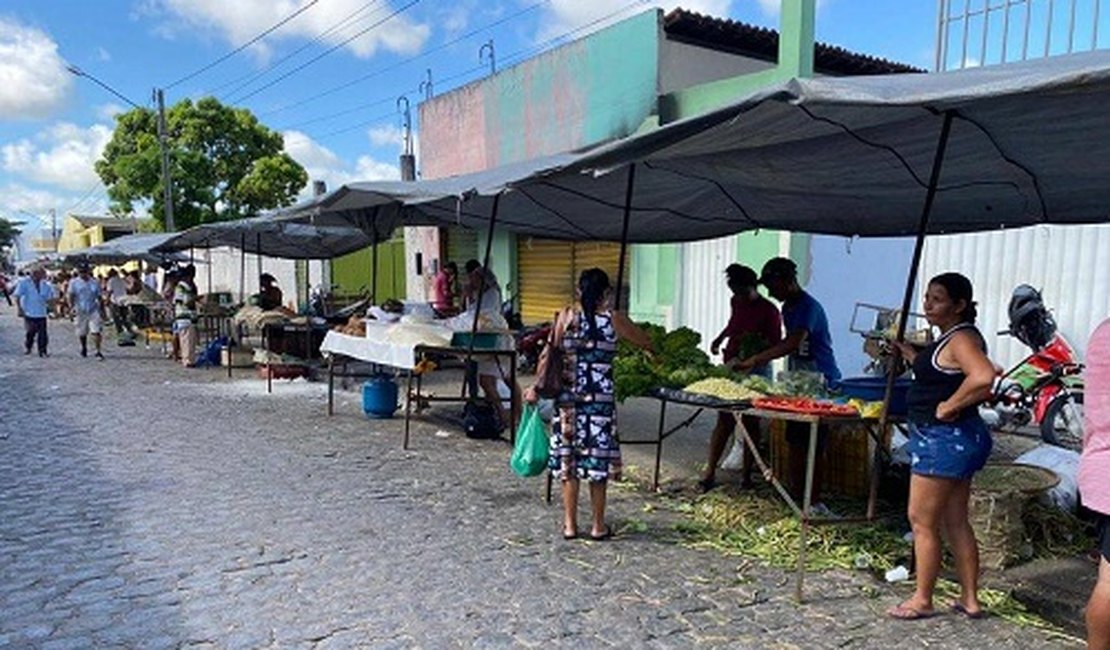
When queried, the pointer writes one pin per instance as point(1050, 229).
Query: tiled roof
point(762, 43)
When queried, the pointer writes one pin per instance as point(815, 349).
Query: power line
point(244, 46)
point(512, 56)
point(330, 91)
point(81, 73)
point(325, 118)
point(245, 80)
point(328, 51)
point(357, 126)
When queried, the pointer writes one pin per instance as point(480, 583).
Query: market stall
point(410, 351)
point(287, 341)
point(903, 155)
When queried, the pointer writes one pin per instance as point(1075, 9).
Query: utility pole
point(167, 180)
point(54, 228)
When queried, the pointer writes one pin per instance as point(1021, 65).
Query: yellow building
point(80, 231)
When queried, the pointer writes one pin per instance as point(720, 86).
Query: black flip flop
point(604, 536)
point(570, 536)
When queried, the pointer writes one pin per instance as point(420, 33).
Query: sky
point(328, 78)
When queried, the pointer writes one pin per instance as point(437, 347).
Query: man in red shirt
point(754, 326)
point(444, 288)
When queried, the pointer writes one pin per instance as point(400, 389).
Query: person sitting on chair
point(269, 295)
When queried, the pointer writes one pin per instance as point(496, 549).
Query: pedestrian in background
point(1094, 477)
point(33, 297)
point(584, 443)
point(184, 314)
point(84, 298)
point(948, 443)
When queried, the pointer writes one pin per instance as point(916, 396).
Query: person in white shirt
point(84, 297)
point(117, 291)
point(34, 295)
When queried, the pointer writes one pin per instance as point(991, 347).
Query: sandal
point(906, 613)
point(603, 536)
point(958, 608)
point(569, 536)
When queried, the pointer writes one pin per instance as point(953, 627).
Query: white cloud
point(33, 77)
point(242, 20)
point(322, 163)
point(18, 197)
point(103, 54)
point(109, 111)
point(562, 16)
point(386, 134)
point(61, 155)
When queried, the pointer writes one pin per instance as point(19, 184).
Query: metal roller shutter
point(603, 255)
point(546, 272)
point(462, 245)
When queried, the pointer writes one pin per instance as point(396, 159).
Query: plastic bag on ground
point(734, 459)
point(530, 453)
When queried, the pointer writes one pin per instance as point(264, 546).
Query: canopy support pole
point(208, 259)
point(624, 235)
point(907, 298)
point(374, 257)
point(243, 268)
point(258, 251)
point(482, 280)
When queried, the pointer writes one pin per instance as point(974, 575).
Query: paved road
point(146, 506)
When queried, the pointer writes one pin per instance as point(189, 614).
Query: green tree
point(8, 233)
point(225, 164)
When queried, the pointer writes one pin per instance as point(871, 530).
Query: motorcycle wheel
point(1063, 421)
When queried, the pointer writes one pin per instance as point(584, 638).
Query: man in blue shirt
point(84, 295)
point(807, 346)
point(34, 295)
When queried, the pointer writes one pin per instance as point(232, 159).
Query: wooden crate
point(848, 459)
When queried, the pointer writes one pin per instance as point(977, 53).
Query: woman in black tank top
point(948, 444)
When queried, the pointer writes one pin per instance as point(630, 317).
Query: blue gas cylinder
point(379, 396)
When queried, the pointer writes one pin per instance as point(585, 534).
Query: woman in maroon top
point(754, 326)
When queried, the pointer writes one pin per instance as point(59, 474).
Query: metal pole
point(243, 268)
point(942, 36)
point(624, 233)
point(54, 228)
point(482, 280)
point(258, 251)
point(167, 179)
point(911, 281)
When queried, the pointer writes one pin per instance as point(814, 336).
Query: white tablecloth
point(370, 350)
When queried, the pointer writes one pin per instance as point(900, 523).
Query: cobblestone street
point(143, 505)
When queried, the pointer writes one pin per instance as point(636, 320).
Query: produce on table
point(676, 362)
point(805, 405)
point(724, 389)
point(800, 383)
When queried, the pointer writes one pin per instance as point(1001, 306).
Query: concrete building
point(648, 70)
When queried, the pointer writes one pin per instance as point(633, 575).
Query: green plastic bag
point(530, 453)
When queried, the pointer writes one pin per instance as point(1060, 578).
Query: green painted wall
point(655, 271)
point(351, 273)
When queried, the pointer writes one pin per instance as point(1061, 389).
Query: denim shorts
point(949, 449)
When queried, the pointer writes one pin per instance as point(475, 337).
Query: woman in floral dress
point(584, 442)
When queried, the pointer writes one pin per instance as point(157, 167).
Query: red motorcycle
point(1045, 388)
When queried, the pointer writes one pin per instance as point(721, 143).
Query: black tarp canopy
point(1029, 143)
point(143, 247)
point(266, 236)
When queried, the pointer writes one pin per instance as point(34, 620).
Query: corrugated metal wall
point(703, 295)
point(546, 272)
point(1067, 263)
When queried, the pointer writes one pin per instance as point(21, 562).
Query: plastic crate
point(482, 340)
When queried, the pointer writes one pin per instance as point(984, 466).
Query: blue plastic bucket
point(873, 389)
point(379, 397)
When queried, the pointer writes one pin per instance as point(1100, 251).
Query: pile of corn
point(723, 389)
